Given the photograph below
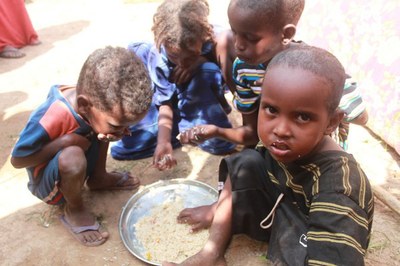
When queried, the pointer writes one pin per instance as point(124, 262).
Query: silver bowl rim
point(145, 189)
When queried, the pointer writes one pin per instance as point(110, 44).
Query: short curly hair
point(114, 76)
point(180, 23)
point(319, 62)
point(273, 13)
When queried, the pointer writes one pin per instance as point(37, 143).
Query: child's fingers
point(186, 137)
point(183, 216)
point(183, 77)
point(166, 162)
point(183, 220)
point(195, 227)
point(193, 136)
point(108, 137)
point(197, 134)
point(259, 82)
point(171, 161)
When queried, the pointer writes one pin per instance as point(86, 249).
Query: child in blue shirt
point(184, 68)
point(65, 141)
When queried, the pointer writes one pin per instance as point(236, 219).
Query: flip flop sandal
point(76, 230)
point(11, 52)
point(120, 184)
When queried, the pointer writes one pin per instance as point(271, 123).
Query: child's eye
point(270, 110)
point(303, 118)
point(252, 39)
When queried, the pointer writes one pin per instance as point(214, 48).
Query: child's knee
point(207, 75)
point(246, 164)
point(209, 67)
point(72, 161)
point(251, 157)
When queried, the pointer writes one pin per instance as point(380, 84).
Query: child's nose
point(239, 44)
point(282, 128)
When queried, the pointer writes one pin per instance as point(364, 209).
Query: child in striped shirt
point(299, 190)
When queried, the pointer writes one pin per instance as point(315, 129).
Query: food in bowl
point(163, 238)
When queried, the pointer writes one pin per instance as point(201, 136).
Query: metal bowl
point(193, 193)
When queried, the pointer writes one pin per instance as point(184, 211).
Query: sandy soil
point(31, 233)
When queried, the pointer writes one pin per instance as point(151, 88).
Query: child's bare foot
point(113, 181)
point(202, 258)
point(198, 217)
point(83, 227)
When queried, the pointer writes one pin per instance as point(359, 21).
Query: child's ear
point(334, 122)
point(288, 33)
point(83, 104)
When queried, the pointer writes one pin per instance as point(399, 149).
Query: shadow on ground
point(48, 37)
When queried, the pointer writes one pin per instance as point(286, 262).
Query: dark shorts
point(253, 193)
point(254, 196)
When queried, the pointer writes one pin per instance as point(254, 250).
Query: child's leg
point(253, 192)
point(100, 179)
point(254, 195)
point(246, 198)
point(72, 169)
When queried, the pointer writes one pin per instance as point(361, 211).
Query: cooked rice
point(164, 239)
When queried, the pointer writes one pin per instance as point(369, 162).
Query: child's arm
point(245, 135)
point(225, 53)
point(352, 104)
point(361, 119)
point(100, 170)
point(163, 157)
point(340, 216)
point(339, 230)
point(50, 149)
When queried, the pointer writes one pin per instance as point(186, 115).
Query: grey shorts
point(45, 184)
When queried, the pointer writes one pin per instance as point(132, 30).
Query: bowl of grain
point(148, 223)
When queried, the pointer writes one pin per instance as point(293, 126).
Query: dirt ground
point(31, 233)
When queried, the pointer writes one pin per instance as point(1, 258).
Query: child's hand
point(163, 158)
point(107, 137)
point(113, 137)
point(197, 134)
point(76, 140)
point(180, 75)
point(259, 82)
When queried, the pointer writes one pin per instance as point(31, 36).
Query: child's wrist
point(163, 142)
point(218, 132)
